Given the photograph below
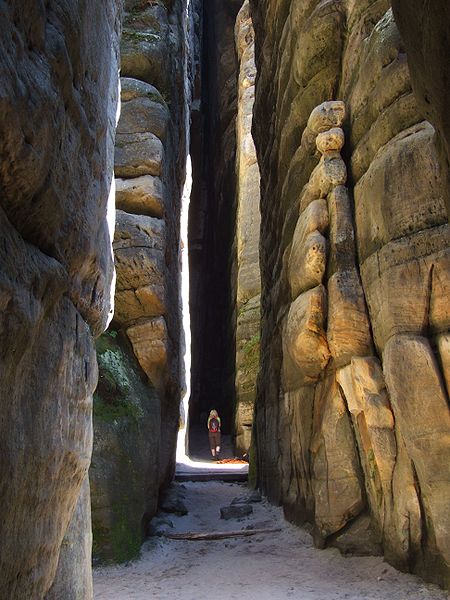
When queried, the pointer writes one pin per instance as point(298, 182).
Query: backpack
point(214, 425)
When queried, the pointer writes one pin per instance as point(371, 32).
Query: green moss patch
point(250, 351)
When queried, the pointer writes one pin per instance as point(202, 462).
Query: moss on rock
point(124, 471)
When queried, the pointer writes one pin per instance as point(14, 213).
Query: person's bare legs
point(217, 451)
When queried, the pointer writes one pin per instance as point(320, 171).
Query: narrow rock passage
point(268, 566)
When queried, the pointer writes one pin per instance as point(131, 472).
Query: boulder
point(359, 539)
point(142, 115)
point(141, 196)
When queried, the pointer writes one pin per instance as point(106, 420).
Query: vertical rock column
point(137, 402)
point(149, 164)
point(58, 95)
point(325, 326)
point(248, 221)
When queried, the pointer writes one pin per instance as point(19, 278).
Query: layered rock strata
point(248, 281)
point(58, 94)
point(352, 415)
point(134, 450)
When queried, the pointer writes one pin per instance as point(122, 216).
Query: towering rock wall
point(136, 406)
point(248, 222)
point(58, 95)
point(352, 415)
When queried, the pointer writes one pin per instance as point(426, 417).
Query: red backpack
point(214, 425)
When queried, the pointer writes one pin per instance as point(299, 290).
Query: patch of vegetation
point(250, 351)
point(112, 411)
point(120, 543)
point(126, 540)
point(113, 398)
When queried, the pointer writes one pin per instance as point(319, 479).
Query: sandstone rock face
point(73, 577)
point(134, 450)
point(125, 466)
point(248, 284)
point(58, 95)
point(352, 411)
point(427, 42)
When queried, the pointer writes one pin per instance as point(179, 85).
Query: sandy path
point(273, 566)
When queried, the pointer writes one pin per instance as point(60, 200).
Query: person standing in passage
point(214, 434)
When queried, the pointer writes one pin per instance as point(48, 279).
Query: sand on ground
point(268, 566)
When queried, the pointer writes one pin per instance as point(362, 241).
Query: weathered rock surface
point(248, 280)
point(149, 163)
point(58, 95)
point(343, 445)
point(427, 41)
point(139, 248)
point(124, 473)
point(142, 195)
point(138, 154)
point(74, 577)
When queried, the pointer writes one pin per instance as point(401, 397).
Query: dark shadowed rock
point(125, 463)
point(172, 501)
point(255, 496)
point(236, 511)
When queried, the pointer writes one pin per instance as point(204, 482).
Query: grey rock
point(171, 502)
point(138, 154)
point(236, 511)
point(255, 496)
point(59, 99)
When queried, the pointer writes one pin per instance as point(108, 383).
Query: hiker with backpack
point(214, 434)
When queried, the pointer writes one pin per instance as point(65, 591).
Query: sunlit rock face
point(136, 414)
point(58, 95)
point(248, 282)
point(352, 415)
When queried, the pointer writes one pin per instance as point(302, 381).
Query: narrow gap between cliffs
point(211, 229)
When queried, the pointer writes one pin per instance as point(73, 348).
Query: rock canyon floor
point(266, 566)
